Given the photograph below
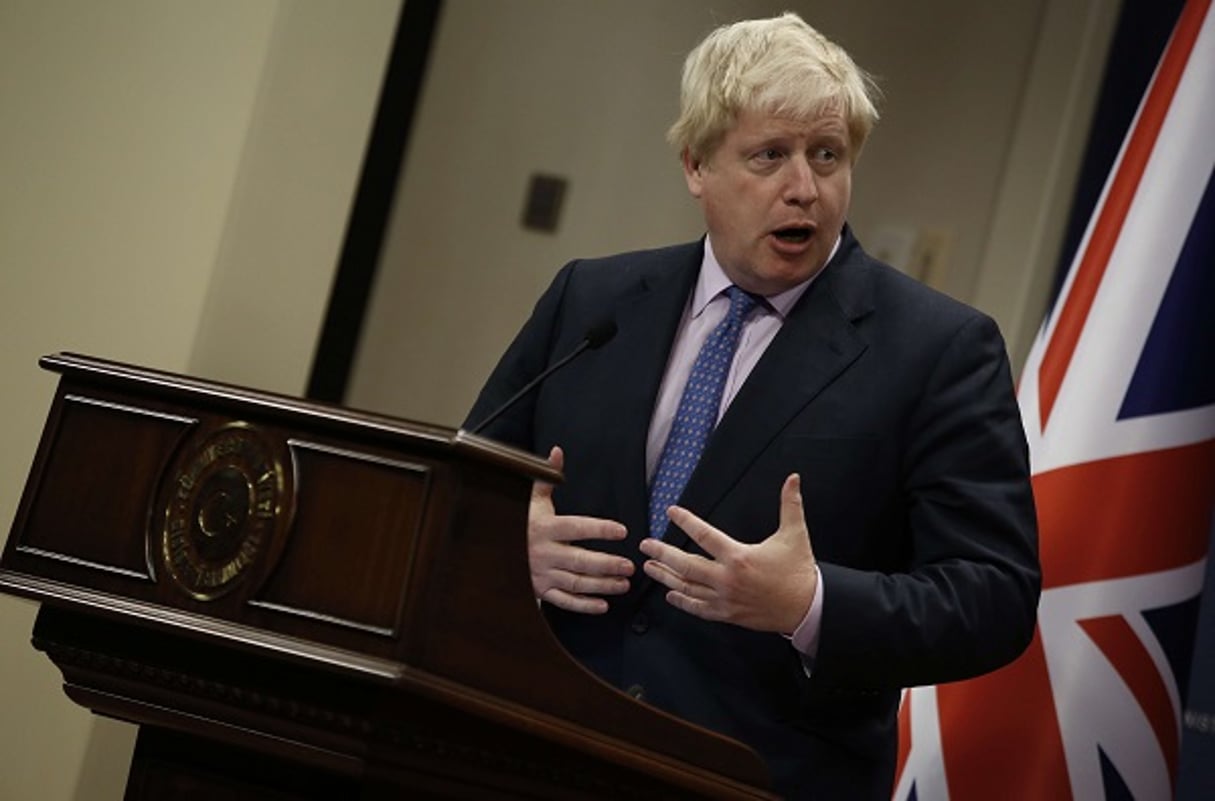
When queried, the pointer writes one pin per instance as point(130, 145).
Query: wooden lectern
point(298, 601)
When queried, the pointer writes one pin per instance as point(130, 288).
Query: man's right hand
point(565, 574)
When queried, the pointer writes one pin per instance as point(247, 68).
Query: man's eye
point(768, 154)
point(825, 155)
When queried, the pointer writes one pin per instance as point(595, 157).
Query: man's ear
point(692, 167)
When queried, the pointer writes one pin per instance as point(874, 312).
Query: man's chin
point(786, 274)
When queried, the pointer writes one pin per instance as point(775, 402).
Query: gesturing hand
point(565, 574)
point(767, 586)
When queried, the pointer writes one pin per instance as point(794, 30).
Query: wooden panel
point(104, 454)
point(358, 514)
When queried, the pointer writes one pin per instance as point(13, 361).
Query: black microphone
point(596, 337)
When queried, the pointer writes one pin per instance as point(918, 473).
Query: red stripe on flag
point(1125, 652)
point(1125, 516)
point(1000, 734)
point(904, 737)
point(1117, 204)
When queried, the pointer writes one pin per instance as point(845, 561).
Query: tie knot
point(741, 301)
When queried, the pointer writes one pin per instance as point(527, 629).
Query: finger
point(576, 528)
point(582, 584)
point(668, 555)
point(547, 557)
point(792, 513)
point(694, 606)
point(687, 566)
point(677, 582)
point(713, 541)
point(580, 561)
point(664, 575)
point(543, 490)
point(574, 603)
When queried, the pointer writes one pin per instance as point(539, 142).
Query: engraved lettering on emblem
point(224, 505)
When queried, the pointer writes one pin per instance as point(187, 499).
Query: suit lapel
point(646, 320)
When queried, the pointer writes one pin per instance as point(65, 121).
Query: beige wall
point(1033, 198)
point(986, 108)
point(176, 180)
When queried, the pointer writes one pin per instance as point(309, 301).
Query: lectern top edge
point(460, 441)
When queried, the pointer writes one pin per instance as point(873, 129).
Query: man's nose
point(801, 186)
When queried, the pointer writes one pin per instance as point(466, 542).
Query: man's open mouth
point(794, 234)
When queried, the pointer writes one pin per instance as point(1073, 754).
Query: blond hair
point(779, 66)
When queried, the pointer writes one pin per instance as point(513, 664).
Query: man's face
point(775, 193)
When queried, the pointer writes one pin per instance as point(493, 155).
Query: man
point(858, 520)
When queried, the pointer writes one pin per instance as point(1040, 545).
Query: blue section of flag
point(1114, 785)
point(1176, 370)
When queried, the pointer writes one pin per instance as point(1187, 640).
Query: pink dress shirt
point(706, 307)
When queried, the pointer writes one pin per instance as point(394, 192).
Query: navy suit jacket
point(895, 404)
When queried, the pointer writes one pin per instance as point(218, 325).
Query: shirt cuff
point(805, 636)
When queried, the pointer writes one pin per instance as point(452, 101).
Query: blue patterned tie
point(697, 413)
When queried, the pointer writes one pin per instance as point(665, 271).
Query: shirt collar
point(712, 281)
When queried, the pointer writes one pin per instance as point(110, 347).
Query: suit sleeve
point(966, 603)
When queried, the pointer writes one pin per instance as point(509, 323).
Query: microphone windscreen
point(600, 333)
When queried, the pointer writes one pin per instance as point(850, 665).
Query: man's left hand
point(767, 586)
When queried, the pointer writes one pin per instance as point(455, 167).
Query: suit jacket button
point(636, 692)
point(640, 624)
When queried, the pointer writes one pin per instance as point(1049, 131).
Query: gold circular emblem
point(223, 502)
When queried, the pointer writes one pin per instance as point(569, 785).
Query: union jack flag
point(1118, 400)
